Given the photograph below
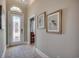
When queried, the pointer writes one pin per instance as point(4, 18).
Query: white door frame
point(9, 14)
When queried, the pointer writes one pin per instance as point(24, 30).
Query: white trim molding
point(40, 53)
point(3, 55)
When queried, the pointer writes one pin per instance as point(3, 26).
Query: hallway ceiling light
point(15, 9)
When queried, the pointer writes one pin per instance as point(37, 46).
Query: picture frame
point(41, 20)
point(54, 22)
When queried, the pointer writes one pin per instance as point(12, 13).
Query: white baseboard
point(3, 55)
point(15, 44)
point(41, 54)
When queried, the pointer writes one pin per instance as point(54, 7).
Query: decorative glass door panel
point(16, 29)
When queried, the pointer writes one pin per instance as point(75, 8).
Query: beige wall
point(3, 30)
point(58, 45)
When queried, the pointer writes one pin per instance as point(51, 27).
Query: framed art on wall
point(54, 22)
point(41, 20)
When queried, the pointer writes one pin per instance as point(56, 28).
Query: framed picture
point(54, 22)
point(0, 17)
point(41, 20)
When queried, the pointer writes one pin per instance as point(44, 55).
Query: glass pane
point(16, 28)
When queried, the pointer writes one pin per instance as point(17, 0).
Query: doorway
point(15, 28)
point(32, 30)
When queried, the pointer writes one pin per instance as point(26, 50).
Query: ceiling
point(25, 2)
point(22, 4)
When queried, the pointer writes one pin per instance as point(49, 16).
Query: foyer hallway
point(22, 51)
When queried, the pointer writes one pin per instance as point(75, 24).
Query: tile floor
point(22, 51)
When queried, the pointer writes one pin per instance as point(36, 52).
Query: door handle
point(21, 30)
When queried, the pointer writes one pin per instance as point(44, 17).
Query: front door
point(15, 28)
